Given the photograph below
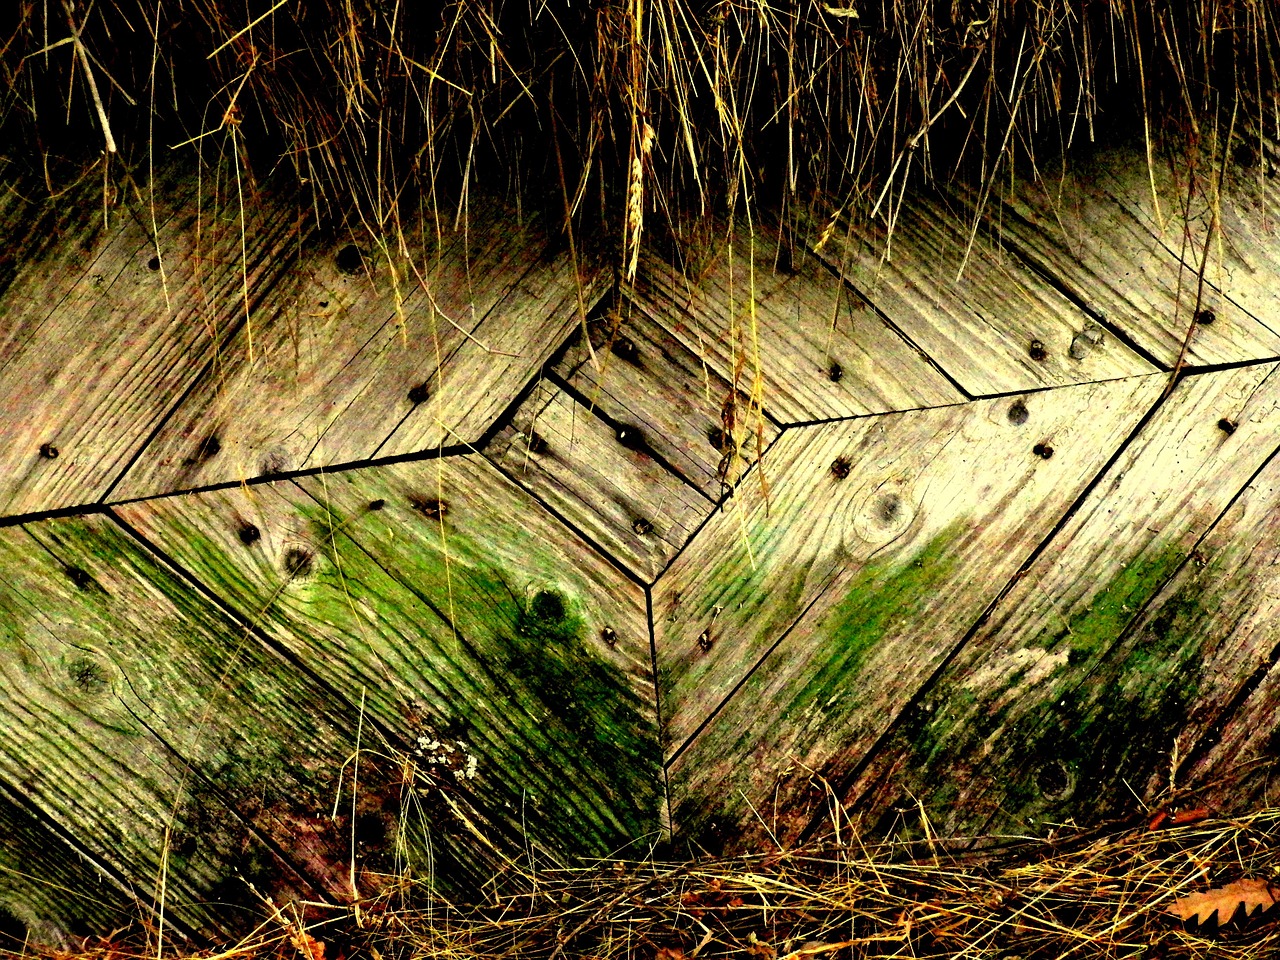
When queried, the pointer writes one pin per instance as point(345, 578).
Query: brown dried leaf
point(308, 946)
point(1255, 895)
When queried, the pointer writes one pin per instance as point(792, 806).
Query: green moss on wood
point(1104, 716)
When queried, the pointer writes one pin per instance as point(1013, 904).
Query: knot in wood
point(883, 514)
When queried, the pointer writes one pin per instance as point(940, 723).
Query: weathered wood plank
point(998, 327)
point(705, 430)
point(1069, 691)
point(51, 893)
point(464, 615)
point(103, 337)
point(882, 542)
point(602, 478)
point(503, 355)
point(792, 337)
point(351, 345)
point(1081, 229)
point(1241, 268)
point(132, 707)
point(1227, 603)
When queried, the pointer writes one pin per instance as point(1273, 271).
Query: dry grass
point(1079, 895)
point(621, 117)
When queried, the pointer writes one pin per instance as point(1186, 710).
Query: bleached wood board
point(836, 602)
point(1231, 603)
point(131, 704)
point(690, 416)
point(1059, 699)
point(502, 636)
point(505, 352)
point(93, 356)
point(809, 349)
point(1242, 265)
point(344, 356)
point(1080, 229)
point(998, 327)
point(51, 893)
point(602, 478)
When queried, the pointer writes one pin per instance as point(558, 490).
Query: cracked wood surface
point(872, 613)
point(981, 314)
point(1081, 677)
point(834, 602)
point(458, 612)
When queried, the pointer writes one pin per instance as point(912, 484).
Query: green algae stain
point(1093, 629)
point(525, 631)
point(1104, 715)
point(882, 598)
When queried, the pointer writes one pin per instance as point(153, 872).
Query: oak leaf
point(1254, 895)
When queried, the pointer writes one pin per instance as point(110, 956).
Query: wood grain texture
point(51, 892)
point(998, 327)
point(1081, 676)
point(354, 342)
point(505, 352)
point(1239, 204)
point(776, 330)
point(602, 478)
point(704, 430)
point(1228, 602)
point(1093, 230)
point(500, 636)
point(132, 706)
point(98, 346)
point(837, 601)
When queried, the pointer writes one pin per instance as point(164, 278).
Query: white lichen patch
point(451, 755)
point(1016, 673)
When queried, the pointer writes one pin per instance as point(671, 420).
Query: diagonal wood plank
point(1093, 231)
point(1241, 268)
point(789, 334)
point(51, 892)
point(882, 542)
point(490, 369)
point(463, 614)
point(103, 337)
point(352, 345)
point(1069, 690)
point(133, 709)
point(602, 478)
point(705, 430)
point(997, 327)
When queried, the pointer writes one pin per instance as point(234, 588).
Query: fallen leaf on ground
point(1255, 895)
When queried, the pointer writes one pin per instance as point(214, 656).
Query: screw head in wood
point(625, 349)
point(349, 259)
